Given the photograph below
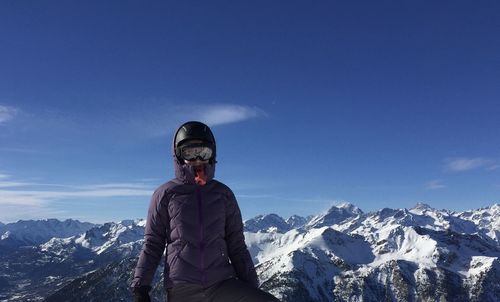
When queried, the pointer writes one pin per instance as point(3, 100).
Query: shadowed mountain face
point(418, 254)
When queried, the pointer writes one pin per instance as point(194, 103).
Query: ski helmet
point(193, 130)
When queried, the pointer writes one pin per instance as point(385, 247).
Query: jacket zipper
point(202, 244)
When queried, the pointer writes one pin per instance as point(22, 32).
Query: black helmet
point(193, 130)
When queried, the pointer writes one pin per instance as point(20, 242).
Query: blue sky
point(378, 103)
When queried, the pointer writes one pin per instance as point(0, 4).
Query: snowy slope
point(427, 265)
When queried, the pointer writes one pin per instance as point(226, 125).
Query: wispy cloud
point(12, 184)
point(466, 164)
point(127, 185)
point(435, 185)
point(17, 196)
point(156, 119)
point(32, 197)
point(494, 167)
point(226, 114)
point(166, 118)
point(7, 113)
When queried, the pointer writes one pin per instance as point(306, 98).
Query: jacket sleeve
point(237, 249)
point(155, 236)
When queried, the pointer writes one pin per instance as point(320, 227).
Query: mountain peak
point(335, 215)
point(266, 223)
point(422, 206)
point(495, 207)
point(346, 206)
point(296, 221)
point(127, 222)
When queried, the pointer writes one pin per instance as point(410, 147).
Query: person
point(198, 219)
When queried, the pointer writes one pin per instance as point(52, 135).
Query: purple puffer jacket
point(202, 229)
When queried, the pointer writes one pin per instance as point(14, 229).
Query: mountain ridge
point(405, 254)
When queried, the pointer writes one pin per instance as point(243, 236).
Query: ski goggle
point(196, 151)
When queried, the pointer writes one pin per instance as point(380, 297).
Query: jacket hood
point(186, 173)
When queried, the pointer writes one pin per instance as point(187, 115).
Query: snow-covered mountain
point(266, 223)
point(34, 232)
point(274, 223)
point(40, 269)
point(296, 221)
point(420, 254)
point(485, 219)
point(111, 239)
point(417, 254)
point(109, 283)
point(335, 215)
point(37, 231)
